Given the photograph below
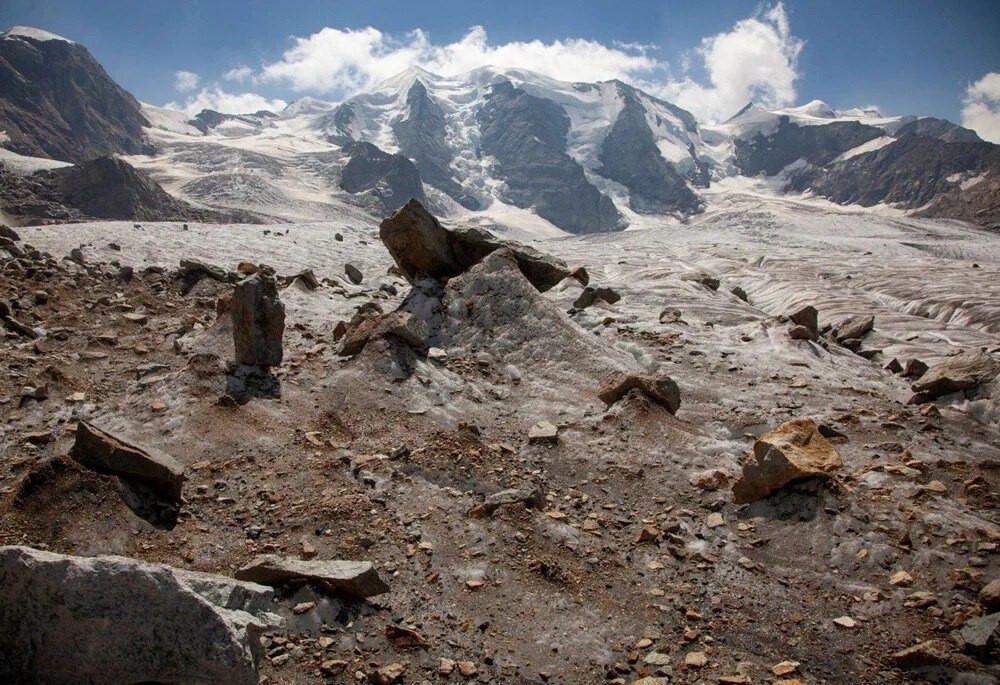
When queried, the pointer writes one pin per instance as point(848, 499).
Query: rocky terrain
point(385, 392)
point(770, 458)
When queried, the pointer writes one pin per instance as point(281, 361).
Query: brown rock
point(855, 328)
point(421, 245)
point(806, 316)
point(661, 389)
point(258, 320)
point(961, 372)
point(106, 453)
point(791, 451)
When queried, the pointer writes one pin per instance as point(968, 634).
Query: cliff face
point(56, 101)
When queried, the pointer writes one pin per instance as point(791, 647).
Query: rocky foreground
point(460, 459)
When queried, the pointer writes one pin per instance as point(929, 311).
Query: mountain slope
point(56, 101)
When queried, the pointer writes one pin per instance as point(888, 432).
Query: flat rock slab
point(543, 432)
point(961, 372)
point(353, 578)
point(109, 620)
point(793, 450)
point(106, 453)
point(420, 245)
point(855, 328)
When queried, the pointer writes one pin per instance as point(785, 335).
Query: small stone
point(354, 274)
point(784, 668)
point(845, 622)
point(902, 579)
point(158, 406)
point(543, 432)
point(715, 520)
point(989, 596)
point(445, 666)
point(467, 668)
point(303, 607)
point(657, 659)
point(712, 479)
point(695, 659)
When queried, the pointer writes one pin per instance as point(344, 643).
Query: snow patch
point(33, 33)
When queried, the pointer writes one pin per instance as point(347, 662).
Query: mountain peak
point(33, 33)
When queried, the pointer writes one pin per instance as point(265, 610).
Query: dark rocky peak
point(688, 120)
point(339, 123)
point(207, 119)
point(818, 145)
point(630, 156)
point(58, 102)
point(101, 188)
point(526, 136)
point(942, 129)
point(391, 179)
point(422, 136)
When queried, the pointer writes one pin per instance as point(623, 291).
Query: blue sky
point(905, 57)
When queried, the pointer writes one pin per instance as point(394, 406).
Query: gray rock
point(401, 324)
point(204, 270)
point(258, 320)
point(980, 634)
point(354, 274)
point(109, 620)
point(543, 432)
point(855, 328)
point(914, 368)
point(964, 371)
point(661, 389)
point(420, 245)
point(8, 232)
point(740, 293)
point(392, 179)
point(989, 596)
point(352, 578)
point(107, 453)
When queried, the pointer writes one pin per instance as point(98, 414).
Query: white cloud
point(238, 74)
point(346, 61)
point(981, 107)
point(185, 81)
point(227, 103)
point(756, 60)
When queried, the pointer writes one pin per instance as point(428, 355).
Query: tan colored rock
point(793, 450)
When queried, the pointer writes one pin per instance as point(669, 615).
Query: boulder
point(591, 295)
point(258, 318)
point(357, 579)
point(793, 450)
point(194, 266)
point(661, 389)
point(110, 454)
point(981, 633)
point(353, 273)
point(989, 596)
point(806, 316)
point(420, 245)
point(108, 620)
point(401, 324)
point(964, 371)
point(914, 368)
point(855, 328)
point(8, 232)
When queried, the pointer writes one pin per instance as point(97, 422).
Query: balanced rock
point(793, 450)
point(107, 620)
point(961, 372)
point(353, 578)
point(420, 245)
point(661, 389)
point(258, 320)
point(106, 453)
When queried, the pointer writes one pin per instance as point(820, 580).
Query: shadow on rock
point(798, 501)
point(245, 383)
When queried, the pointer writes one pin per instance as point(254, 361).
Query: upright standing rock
point(258, 320)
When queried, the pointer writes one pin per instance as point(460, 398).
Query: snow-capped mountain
point(497, 147)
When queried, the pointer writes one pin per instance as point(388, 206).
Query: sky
point(902, 56)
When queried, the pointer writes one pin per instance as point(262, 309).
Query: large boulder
point(961, 372)
point(400, 324)
point(795, 449)
point(661, 389)
point(258, 320)
point(357, 579)
point(420, 245)
point(807, 317)
point(106, 453)
point(108, 620)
